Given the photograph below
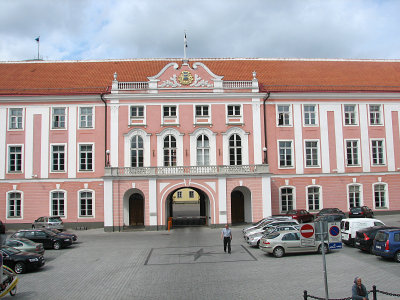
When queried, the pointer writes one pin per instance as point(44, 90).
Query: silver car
point(26, 245)
point(254, 239)
point(48, 222)
point(262, 223)
point(280, 243)
point(269, 224)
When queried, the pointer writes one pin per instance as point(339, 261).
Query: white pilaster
point(323, 114)
point(28, 142)
point(153, 202)
point(114, 135)
point(3, 130)
point(108, 203)
point(340, 151)
point(298, 138)
point(72, 150)
point(222, 200)
point(389, 137)
point(258, 154)
point(364, 138)
point(266, 196)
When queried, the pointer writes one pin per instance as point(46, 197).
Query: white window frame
point(80, 115)
point(79, 158)
point(51, 202)
point(179, 146)
point(22, 159)
point(65, 118)
point(179, 194)
point(235, 114)
point(200, 119)
point(93, 215)
point(380, 114)
point(386, 196)
point(173, 120)
point(318, 165)
point(235, 119)
point(8, 217)
point(288, 113)
point(360, 190)
point(293, 199)
point(292, 155)
point(383, 152)
point(202, 106)
point(235, 148)
point(315, 115)
point(203, 150)
point(358, 153)
point(10, 121)
point(65, 158)
point(320, 197)
point(137, 150)
point(355, 115)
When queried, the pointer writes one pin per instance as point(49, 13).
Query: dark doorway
point(237, 207)
point(136, 210)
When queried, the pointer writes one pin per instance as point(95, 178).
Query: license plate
point(357, 243)
point(378, 247)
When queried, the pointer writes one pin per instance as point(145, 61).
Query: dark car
point(2, 228)
point(73, 236)
point(301, 215)
point(21, 261)
point(47, 238)
point(365, 237)
point(361, 212)
point(387, 244)
point(325, 211)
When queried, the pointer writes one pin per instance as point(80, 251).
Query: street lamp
point(108, 158)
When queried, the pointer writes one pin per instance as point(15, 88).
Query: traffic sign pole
point(324, 260)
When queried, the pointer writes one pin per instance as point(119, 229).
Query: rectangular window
point(179, 194)
point(58, 158)
point(380, 195)
point(285, 154)
point(312, 153)
point(286, 199)
point(86, 157)
point(191, 194)
point(58, 118)
point(86, 117)
point(350, 115)
point(283, 115)
point(86, 204)
point(14, 205)
point(313, 198)
point(375, 114)
point(354, 196)
point(234, 111)
point(137, 111)
point(15, 118)
point(202, 111)
point(57, 203)
point(310, 114)
point(378, 154)
point(352, 153)
point(169, 111)
point(14, 159)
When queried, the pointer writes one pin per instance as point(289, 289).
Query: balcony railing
point(187, 170)
point(237, 84)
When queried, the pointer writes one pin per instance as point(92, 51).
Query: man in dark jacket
point(359, 292)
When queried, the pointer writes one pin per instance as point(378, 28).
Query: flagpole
point(184, 47)
point(38, 42)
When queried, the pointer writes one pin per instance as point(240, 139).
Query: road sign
point(307, 231)
point(334, 236)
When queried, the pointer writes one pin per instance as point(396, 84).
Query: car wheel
point(13, 291)
point(397, 257)
point(57, 246)
point(370, 249)
point(19, 268)
point(279, 252)
point(258, 244)
point(325, 249)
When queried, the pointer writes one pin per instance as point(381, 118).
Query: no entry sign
point(307, 231)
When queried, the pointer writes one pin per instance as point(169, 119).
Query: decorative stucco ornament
point(185, 78)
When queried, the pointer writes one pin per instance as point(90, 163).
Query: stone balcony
point(186, 171)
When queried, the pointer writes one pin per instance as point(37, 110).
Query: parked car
point(73, 236)
point(361, 212)
point(48, 239)
point(2, 228)
point(283, 242)
point(262, 222)
point(387, 244)
point(325, 211)
point(301, 215)
point(365, 237)
point(254, 239)
point(269, 224)
point(48, 222)
point(349, 227)
point(21, 261)
point(26, 245)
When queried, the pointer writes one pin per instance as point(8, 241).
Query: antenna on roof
point(185, 60)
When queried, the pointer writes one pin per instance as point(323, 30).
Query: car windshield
point(271, 236)
point(355, 209)
point(26, 241)
point(54, 219)
point(291, 212)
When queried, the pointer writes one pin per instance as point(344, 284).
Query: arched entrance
point(240, 205)
point(188, 213)
point(136, 210)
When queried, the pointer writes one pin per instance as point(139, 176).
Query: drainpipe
point(105, 128)
point(265, 131)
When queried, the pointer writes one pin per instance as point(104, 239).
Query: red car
point(301, 215)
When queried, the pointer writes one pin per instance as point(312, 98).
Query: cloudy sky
point(120, 29)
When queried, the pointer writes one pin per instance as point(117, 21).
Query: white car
point(263, 222)
point(254, 239)
point(268, 225)
point(349, 228)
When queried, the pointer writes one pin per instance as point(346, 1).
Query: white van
point(349, 228)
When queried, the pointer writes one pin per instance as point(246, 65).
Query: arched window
point(235, 150)
point(136, 151)
point(203, 150)
point(169, 151)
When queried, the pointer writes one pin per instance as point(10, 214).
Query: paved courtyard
point(189, 263)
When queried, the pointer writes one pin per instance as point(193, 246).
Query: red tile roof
point(94, 77)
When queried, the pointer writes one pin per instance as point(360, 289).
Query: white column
point(364, 138)
point(298, 138)
point(222, 200)
point(258, 154)
point(389, 138)
point(108, 203)
point(28, 142)
point(266, 196)
point(73, 152)
point(44, 167)
point(3, 146)
point(114, 135)
point(153, 202)
point(340, 151)
point(323, 126)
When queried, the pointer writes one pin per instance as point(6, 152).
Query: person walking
point(359, 292)
point(226, 235)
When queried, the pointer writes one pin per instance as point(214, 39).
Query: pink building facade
point(108, 143)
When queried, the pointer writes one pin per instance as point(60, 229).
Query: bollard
point(169, 225)
point(374, 292)
point(305, 295)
